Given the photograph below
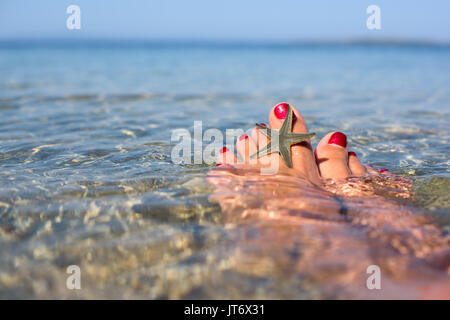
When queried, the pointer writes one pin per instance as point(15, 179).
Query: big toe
point(332, 156)
point(302, 154)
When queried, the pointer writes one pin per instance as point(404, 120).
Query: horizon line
point(388, 41)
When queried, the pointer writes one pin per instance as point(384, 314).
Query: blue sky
point(253, 20)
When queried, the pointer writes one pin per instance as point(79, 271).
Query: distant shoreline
point(77, 42)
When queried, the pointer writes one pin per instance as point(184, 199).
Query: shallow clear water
point(86, 175)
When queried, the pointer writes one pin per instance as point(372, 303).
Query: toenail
point(280, 110)
point(383, 170)
point(219, 164)
point(243, 137)
point(338, 138)
point(351, 153)
point(262, 124)
point(223, 150)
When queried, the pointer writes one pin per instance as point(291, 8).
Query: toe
point(246, 146)
point(384, 170)
point(370, 169)
point(302, 154)
point(355, 165)
point(258, 137)
point(332, 156)
point(226, 157)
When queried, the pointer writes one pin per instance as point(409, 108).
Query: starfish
point(282, 140)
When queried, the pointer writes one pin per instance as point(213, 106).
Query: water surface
point(86, 175)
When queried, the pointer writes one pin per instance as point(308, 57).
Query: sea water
point(86, 173)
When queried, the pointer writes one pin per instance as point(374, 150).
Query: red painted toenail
point(338, 138)
point(219, 164)
point(223, 150)
point(243, 137)
point(383, 170)
point(280, 110)
point(262, 124)
point(351, 153)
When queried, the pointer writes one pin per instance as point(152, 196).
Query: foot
point(330, 160)
point(335, 215)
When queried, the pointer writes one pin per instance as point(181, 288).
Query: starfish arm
point(265, 130)
point(286, 155)
point(295, 138)
point(268, 149)
point(287, 124)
